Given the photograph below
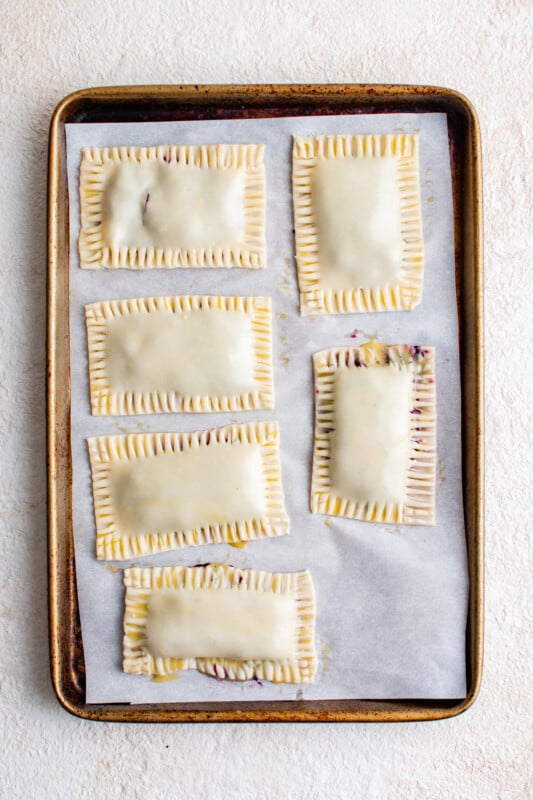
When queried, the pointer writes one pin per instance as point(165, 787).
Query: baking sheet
point(391, 600)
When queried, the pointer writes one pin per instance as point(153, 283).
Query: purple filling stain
point(417, 352)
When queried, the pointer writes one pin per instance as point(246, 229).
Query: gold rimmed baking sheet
point(273, 101)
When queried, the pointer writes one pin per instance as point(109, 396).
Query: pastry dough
point(230, 623)
point(374, 453)
point(161, 491)
point(358, 223)
point(172, 206)
point(160, 354)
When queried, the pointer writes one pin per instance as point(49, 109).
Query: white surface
point(50, 49)
point(371, 580)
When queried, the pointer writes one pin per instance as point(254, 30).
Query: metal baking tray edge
point(160, 103)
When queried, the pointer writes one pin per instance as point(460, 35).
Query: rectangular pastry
point(161, 491)
point(233, 624)
point(161, 354)
point(358, 223)
point(374, 452)
point(172, 206)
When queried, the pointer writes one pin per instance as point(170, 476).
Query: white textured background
point(52, 47)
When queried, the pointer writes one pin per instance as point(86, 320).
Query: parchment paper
point(391, 601)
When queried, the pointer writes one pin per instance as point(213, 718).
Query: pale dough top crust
point(226, 623)
point(185, 207)
point(371, 439)
point(356, 204)
point(181, 490)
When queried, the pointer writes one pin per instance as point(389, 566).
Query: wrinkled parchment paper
point(391, 600)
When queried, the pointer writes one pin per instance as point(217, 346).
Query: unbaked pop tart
point(232, 624)
point(358, 223)
point(375, 445)
point(172, 206)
